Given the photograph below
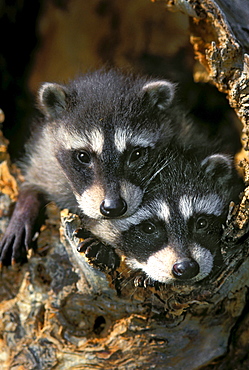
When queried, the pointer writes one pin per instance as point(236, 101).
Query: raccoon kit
point(175, 235)
point(87, 149)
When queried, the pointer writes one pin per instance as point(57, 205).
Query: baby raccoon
point(87, 149)
point(175, 235)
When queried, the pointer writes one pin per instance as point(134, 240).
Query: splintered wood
point(8, 183)
point(237, 221)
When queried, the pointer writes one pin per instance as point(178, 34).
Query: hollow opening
point(99, 325)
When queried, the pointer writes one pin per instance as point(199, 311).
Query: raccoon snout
point(185, 269)
point(113, 207)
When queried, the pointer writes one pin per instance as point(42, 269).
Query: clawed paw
point(99, 255)
point(26, 220)
point(144, 281)
point(14, 246)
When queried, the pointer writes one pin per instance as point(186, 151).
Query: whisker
point(160, 165)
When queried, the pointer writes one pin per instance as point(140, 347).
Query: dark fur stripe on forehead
point(112, 98)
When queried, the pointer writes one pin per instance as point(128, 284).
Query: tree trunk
point(57, 312)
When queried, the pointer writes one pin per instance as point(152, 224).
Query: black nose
point(113, 208)
point(185, 269)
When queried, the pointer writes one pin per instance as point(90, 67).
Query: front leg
point(25, 221)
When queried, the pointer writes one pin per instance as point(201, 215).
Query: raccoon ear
point(219, 167)
point(52, 99)
point(159, 93)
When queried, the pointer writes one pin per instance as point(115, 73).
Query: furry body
point(175, 235)
point(95, 136)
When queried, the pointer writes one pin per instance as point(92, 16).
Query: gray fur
point(185, 194)
point(102, 113)
point(89, 149)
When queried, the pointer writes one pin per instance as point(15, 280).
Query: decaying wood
point(57, 312)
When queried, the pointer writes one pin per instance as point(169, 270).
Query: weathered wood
point(219, 34)
point(59, 313)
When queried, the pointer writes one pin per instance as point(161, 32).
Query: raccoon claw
point(143, 282)
point(83, 246)
point(99, 255)
point(17, 240)
point(103, 256)
point(81, 233)
point(13, 248)
point(25, 221)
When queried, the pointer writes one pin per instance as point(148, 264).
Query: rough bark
point(59, 313)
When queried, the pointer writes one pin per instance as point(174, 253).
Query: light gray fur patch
point(121, 137)
point(142, 139)
point(71, 139)
point(96, 139)
point(205, 260)
point(186, 206)
point(93, 139)
point(43, 171)
point(164, 212)
point(210, 204)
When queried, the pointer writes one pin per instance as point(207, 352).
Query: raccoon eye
point(136, 154)
point(148, 227)
point(84, 157)
point(201, 224)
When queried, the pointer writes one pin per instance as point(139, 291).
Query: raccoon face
point(176, 248)
point(106, 128)
point(175, 235)
point(102, 186)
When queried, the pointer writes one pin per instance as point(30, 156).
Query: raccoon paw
point(15, 243)
point(144, 281)
point(26, 220)
point(99, 255)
